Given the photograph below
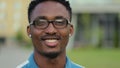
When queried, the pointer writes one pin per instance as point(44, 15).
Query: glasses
point(44, 23)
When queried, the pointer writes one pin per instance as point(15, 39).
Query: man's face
point(50, 40)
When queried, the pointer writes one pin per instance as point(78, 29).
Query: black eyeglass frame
point(52, 22)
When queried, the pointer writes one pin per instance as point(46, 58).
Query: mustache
point(48, 36)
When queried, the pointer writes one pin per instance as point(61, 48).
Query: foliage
point(22, 40)
point(19, 36)
point(96, 58)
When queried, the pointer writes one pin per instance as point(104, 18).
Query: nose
point(50, 29)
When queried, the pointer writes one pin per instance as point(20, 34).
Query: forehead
point(50, 10)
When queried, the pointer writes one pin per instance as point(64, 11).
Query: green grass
point(96, 58)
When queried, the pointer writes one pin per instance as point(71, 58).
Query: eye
point(60, 22)
point(40, 22)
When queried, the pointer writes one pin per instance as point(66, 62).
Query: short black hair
point(34, 3)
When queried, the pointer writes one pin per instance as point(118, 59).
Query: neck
point(44, 62)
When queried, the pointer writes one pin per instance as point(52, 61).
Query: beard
point(49, 55)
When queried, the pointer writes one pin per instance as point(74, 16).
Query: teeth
point(51, 40)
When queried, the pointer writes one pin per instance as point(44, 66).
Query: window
point(17, 5)
point(17, 16)
point(2, 5)
point(2, 16)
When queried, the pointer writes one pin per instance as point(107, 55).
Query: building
point(13, 17)
point(97, 22)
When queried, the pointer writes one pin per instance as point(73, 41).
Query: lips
point(50, 41)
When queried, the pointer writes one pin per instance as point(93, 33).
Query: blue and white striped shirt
point(30, 63)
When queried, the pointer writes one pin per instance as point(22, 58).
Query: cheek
point(36, 32)
point(64, 33)
point(65, 37)
point(35, 35)
point(36, 39)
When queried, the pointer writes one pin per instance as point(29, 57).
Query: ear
point(71, 29)
point(28, 30)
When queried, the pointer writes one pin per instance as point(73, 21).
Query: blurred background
point(95, 43)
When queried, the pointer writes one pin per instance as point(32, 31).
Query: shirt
point(30, 63)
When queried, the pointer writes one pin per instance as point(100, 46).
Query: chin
point(50, 55)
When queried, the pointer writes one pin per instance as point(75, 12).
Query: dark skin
point(50, 10)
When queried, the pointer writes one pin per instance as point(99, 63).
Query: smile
point(51, 42)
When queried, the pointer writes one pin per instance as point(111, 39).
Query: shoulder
point(71, 64)
point(74, 65)
point(24, 65)
point(30, 63)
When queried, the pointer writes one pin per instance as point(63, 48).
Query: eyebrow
point(44, 17)
point(59, 17)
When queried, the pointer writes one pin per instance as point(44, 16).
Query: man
point(49, 29)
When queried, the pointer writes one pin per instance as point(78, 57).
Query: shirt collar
point(68, 63)
point(32, 61)
point(34, 65)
